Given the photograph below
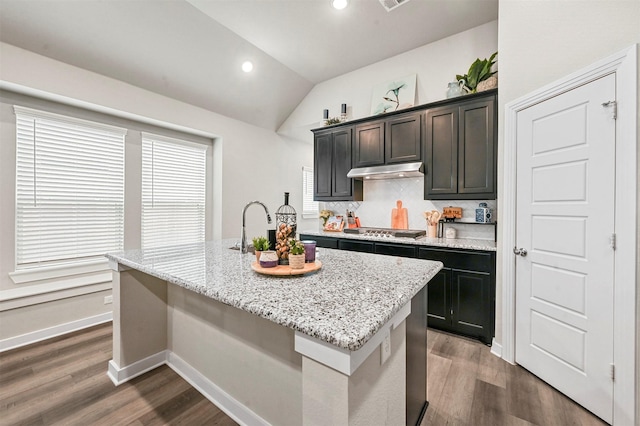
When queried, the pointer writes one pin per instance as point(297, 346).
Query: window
point(173, 191)
point(69, 189)
point(309, 207)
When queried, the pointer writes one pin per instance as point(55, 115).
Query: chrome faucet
point(243, 245)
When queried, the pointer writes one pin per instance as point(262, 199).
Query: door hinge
point(614, 106)
point(612, 371)
point(612, 241)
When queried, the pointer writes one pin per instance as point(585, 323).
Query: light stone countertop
point(459, 243)
point(344, 303)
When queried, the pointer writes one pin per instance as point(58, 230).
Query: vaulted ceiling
point(192, 50)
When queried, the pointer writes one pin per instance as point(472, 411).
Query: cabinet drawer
point(364, 246)
point(465, 260)
point(395, 249)
point(325, 242)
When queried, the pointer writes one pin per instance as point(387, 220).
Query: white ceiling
point(191, 50)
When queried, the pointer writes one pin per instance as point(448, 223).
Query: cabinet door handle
point(519, 251)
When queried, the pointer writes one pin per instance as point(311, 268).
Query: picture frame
point(394, 95)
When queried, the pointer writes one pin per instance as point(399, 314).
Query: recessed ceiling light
point(339, 4)
point(247, 66)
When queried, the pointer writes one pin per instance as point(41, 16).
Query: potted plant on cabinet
point(296, 254)
point(479, 72)
point(260, 244)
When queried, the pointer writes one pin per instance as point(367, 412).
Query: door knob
point(519, 251)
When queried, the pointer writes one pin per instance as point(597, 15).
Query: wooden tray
point(285, 270)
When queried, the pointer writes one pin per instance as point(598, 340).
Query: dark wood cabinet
point(355, 245)
point(403, 143)
point(331, 162)
point(396, 139)
point(461, 297)
point(369, 144)
point(460, 150)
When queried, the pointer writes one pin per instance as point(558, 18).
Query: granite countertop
point(459, 243)
point(344, 303)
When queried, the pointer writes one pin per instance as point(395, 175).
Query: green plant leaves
point(479, 70)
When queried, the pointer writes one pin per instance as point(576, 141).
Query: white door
point(565, 222)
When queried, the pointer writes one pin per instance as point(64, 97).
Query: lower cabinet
point(460, 298)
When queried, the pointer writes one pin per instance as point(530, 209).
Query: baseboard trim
point(55, 331)
point(225, 402)
point(496, 348)
point(121, 375)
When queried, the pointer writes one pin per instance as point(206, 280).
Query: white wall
point(249, 163)
point(435, 64)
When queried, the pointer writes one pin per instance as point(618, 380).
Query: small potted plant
point(260, 244)
point(479, 72)
point(296, 254)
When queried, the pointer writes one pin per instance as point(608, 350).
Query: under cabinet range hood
point(389, 171)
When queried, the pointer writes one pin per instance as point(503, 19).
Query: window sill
point(25, 276)
point(41, 285)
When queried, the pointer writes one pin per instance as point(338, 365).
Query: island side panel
point(248, 357)
point(374, 394)
point(139, 317)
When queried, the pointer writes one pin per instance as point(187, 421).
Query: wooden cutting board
point(284, 270)
point(399, 217)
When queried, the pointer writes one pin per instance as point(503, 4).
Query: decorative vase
point(268, 259)
point(455, 89)
point(296, 261)
point(286, 220)
point(258, 253)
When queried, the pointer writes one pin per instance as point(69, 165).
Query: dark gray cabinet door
point(333, 152)
point(460, 151)
point(476, 174)
point(342, 185)
point(402, 139)
point(322, 165)
point(441, 165)
point(471, 303)
point(439, 300)
point(369, 144)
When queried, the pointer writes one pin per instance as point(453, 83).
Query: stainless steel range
point(386, 232)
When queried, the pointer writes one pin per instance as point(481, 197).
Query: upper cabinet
point(332, 161)
point(369, 144)
point(456, 138)
point(460, 150)
point(395, 139)
point(402, 139)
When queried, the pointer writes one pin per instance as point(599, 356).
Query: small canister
point(451, 233)
point(483, 214)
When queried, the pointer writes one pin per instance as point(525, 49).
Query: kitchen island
point(324, 348)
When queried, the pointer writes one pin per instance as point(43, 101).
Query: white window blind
point(69, 189)
point(173, 191)
point(309, 207)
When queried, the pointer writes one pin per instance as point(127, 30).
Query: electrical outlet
point(108, 300)
point(385, 347)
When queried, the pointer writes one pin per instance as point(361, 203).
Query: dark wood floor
point(63, 381)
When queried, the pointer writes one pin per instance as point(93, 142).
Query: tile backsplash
point(380, 198)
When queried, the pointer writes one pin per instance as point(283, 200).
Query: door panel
point(564, 285)
point(341, 164)
point(322, 165)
